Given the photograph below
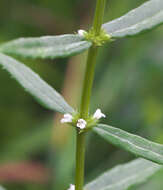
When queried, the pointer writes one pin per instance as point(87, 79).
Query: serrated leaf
point(32, 83)
point(145, 17)
point(123, 176)
point(132, 143)
point(46, 46)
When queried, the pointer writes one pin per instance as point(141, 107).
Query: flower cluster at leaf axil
point(81, 123)
point(97, 40)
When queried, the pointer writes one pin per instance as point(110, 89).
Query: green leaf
point(45, 94)
point(46, 47)
point(123, 176)
point(145, 17)
point(156, 183)
point(132, 143)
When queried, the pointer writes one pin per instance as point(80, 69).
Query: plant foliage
point(123, 176)
point(46, 46)
point(132, 143)
point(32, 83)
point(143, 18)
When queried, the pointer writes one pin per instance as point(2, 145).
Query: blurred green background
point(128, 88)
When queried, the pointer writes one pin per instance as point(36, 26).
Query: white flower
point(72, 187)
point(81, 33)
point(98, 114)
point(67, 118)
point(81, 123)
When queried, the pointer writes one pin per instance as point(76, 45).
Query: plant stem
point(88, 82)
point(99, 14)
point(86, 95)
point(80, 155)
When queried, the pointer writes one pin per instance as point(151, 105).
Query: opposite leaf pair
point(66, 45)
point(143, 18)
point(129, 142)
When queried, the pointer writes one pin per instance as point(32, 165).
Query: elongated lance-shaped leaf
point(143, 18)
point(46, 47)
point(45, 94)
point(123, 176)
point(132, 143)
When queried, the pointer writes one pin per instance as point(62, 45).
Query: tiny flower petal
point(67, 118)
point(98, 114)
point(72, 187)
point(81, 123)
point(81, 33)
